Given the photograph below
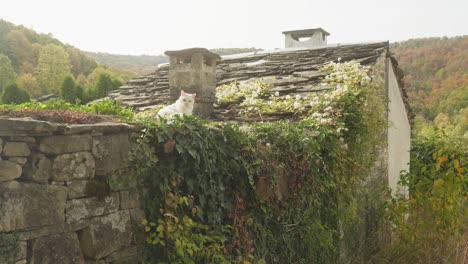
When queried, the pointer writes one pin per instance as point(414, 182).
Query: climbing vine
point(277, 192)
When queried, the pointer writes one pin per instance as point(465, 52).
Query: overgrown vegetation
point(286, 191)
point(103, 107)
point(430, 224)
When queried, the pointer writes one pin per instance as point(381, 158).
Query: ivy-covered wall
point(268, 192)
point(291, 191)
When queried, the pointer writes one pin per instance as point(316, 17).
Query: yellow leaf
point(443, 159)
point(438, 183)
point(144, 221)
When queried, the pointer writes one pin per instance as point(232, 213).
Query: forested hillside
point(39, 63)
point(436, 77)
point(144, 64)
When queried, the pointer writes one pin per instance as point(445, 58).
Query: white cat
point(183, 106)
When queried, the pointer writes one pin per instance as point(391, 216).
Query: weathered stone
point(111, 153)
point(28, 205)
point(16, 149)
point(71, 166)
point(62, 248)
point(40, 169)
point(11, 249)
point(99, 128)
point(42, 231)
point(13, 126)
point(129, 199)
point(122, 179)
point(1, 145)
point(9, 170)
point(88, 207)
point(105, 235)
point(65, 144)
point(125, 253)
point(77, 188)
point(136, 217)
point(19, 160)
point(23, 139)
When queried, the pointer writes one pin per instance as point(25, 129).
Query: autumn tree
point(7, 73)
point(29, 83)
point(53, 66)
point(12, 94)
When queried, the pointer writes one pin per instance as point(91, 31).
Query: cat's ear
point(194, 94)
point(182, 92)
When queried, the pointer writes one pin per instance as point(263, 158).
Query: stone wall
point(66, 194)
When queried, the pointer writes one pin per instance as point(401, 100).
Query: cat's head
point(186, 98)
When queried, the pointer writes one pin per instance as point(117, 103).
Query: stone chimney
point(307, 38)
point(194, 71)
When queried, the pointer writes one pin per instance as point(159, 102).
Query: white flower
point(297, 105)
point(288, 97)
point(298, 97)
point(277, 94)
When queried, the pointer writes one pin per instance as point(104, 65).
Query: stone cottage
point(66, 194)
point(289, 71)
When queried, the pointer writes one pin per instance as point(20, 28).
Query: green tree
point(53, 66)
point(104, 85)
point(7, 73)
point(12, 94)
point(68, 89)
point(79, 93)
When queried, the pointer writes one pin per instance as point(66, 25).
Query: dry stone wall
point(66, 193)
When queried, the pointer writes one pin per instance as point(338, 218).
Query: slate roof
point(289, 71)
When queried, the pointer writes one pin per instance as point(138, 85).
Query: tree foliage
point(53, 66)
point(7, 73)
point(436, 81)
point(12, 94)
point(68, 90)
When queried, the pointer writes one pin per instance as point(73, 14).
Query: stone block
point(19, 160)
point(77, 209)
point(106, 234)
point(111, 153)
point(129, 199)
point(16, 149)
point(11, 249)
point(123, 254)
point(71, 166)
point(40, 169)
point(1, 145)
point(77, 188)
point(9, 170)
point(23, 139)
point(65, 144)
point(61, 248)
point(29, 205)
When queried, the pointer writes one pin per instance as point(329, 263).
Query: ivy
point(282, 192)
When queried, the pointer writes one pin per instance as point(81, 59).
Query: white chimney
point(308, 38)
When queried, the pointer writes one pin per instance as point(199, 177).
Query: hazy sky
point(153, 26)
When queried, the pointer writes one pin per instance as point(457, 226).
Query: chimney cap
point(189, 52)
point(305, 32)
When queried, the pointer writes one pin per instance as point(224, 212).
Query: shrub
point(68, 91)
point(12, 94)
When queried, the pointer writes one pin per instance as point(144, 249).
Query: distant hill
point(436, 77)
point(39, 62)
point(144, 64)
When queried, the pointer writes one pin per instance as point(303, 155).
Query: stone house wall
point(66, 193)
